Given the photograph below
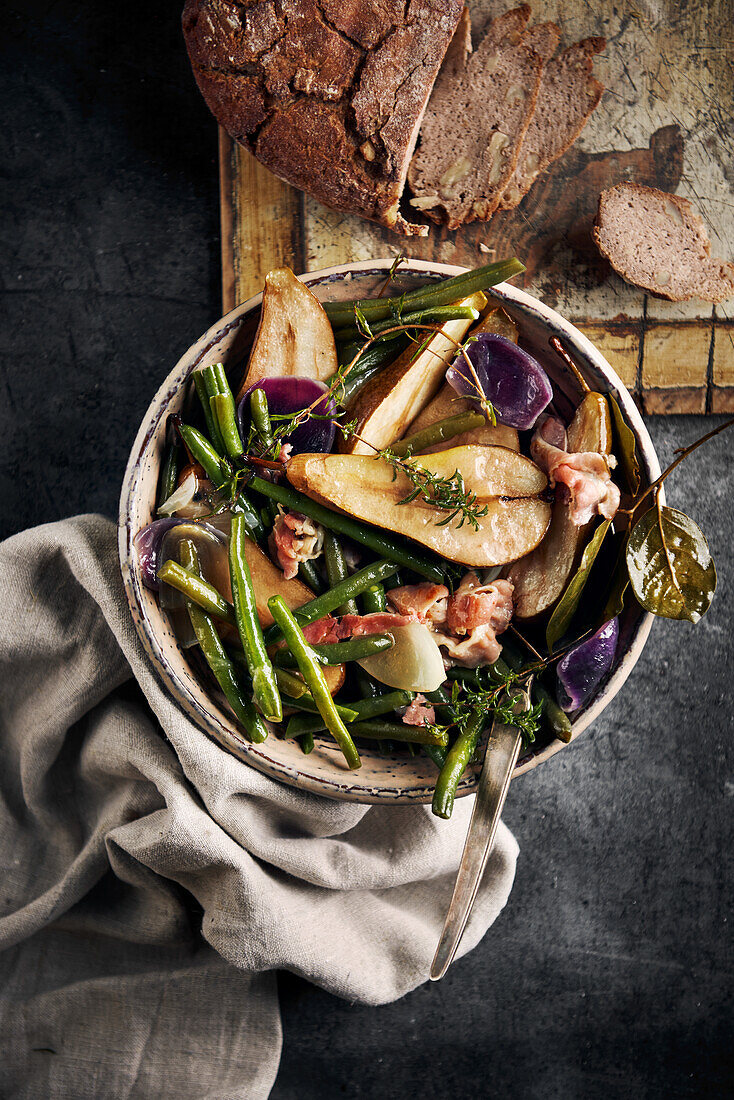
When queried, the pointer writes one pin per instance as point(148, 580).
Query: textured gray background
point(609, 973)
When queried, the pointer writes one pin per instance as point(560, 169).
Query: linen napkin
point(152, 884)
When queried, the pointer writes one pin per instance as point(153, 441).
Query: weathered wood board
point(666, 120)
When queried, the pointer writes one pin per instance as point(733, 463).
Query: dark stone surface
point(610, 972)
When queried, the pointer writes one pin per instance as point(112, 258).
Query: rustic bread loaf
point(474, 124)
point(568, 96)
point(328, 94)
point(658, 242)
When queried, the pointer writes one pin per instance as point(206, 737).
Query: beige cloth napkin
point(152, 883)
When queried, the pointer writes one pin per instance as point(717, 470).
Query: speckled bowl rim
point(215, 721)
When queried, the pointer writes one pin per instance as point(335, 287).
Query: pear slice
point(294, 336)
point(507, 482)
point(448, 403)
point(384, 408)
point(540, 578)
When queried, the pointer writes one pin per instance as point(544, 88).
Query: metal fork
point(503, 749)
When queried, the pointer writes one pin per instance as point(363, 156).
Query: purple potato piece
point(287, 396)
point(147, 543)
point(582, 669)
point(513, 382)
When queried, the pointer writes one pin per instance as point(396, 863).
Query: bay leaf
point(626, 447)
point(676, 585)
point(564, 610)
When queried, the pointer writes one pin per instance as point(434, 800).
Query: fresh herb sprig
point(499, 694)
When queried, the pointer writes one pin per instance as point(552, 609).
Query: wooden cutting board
point(666, 120)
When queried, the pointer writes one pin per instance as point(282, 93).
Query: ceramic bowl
point(381, 778)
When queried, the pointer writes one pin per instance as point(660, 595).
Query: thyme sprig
point(501, 694)
point(447, 494)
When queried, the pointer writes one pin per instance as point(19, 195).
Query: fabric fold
point(143, 862)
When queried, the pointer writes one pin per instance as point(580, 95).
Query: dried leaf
point(626, 448)
point(564, 610)
point(679, 583)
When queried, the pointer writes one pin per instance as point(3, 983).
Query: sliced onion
point(147, 544)
point(414, 663)
point(582, 669)
point(213, 553)
point(287, 396)
point(512, 381)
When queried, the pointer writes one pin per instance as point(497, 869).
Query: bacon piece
point(425, 602)
point(585, 475)
point(295, 538)
point(419, 712)
point(476, 614)
point(328, 630)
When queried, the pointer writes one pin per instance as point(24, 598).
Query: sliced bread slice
point(568, 96)
point(474, 124)
point(659, 242)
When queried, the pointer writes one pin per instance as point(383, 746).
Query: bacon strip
point(585, 475)
point(295, 538)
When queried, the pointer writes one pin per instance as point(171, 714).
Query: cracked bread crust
point(659, 242)
point(459, 173)
point(328, 94)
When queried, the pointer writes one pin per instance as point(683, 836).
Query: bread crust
point(328, 94)
point(683, 253)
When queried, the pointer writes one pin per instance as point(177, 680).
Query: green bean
point(374, 360)
point(336, 653)
point(216, 655)
point(437, 316)
point(329, 601)
point(308, 704)
point(260, 415)
point(201, 450)
point(196, 589)
point(306, 743)
point(242, 506)
point(291, 685)
point(264, 685)
point(437, 754)
point(314, 677)
point(169, 475)
point(309, 574)
point(439, 432)
point(418, 735)
point(226, 416)
point(362, 710)
point(557, 719)
point(211, 424)
point(441, 700)
point(373, 599)
point(336, 570)
point(352, 528)
point(427, 297)
point(457, 760)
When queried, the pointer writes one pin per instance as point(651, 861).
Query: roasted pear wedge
point(446, 403)
point(541, 577)
point(294, 336)
point(384, 408)
point(507, 482)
